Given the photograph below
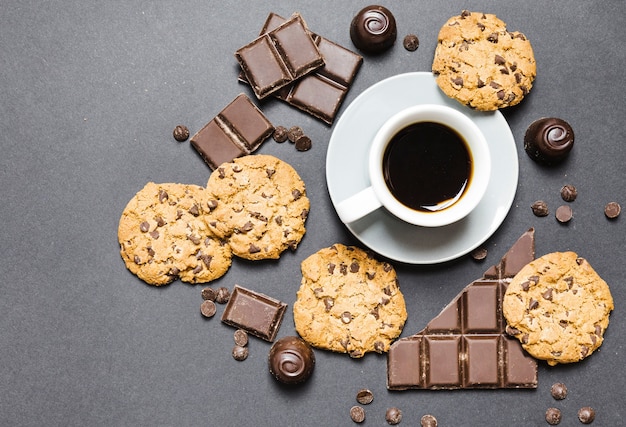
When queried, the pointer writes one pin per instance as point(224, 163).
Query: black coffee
point(427, 166)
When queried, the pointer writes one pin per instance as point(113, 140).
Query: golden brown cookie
point(163, 236)
point(558, 307)
point(259, 204)
point(348, 302)
point(481, 64)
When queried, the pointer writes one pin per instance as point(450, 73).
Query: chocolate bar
point(322, 92)
point(255, 313)
point(279, 57)
point(466, 345)
point(239, 129)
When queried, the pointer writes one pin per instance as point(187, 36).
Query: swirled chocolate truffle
point(373, 29)
point(291, 360)
point(549, 140)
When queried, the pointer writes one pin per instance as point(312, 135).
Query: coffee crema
point(427, 166)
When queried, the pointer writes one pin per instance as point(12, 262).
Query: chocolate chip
point(346, 317)
point(586, 414)
point(241, 337)
point(540, 208)
point(194, 210)
point(296, 194)
point(458, 81)
point(393, 416)
point(144, 226)
point(563, 214)
point(280, 134)
point(428, 421)
point(254, 249)
point(558, 391)
point(181, 133)
point(209, 294)
point(303, 143)
point(208, 308)
point(479, 254)
point(294, 132)
point(553, 416)
point(154, 234)
point(499, 60)
point(547, 294)
point(357, 414)
point(222, 296)
point(411, 42)
point(569, 193)
point(533, 304)
point(163, 196)
point(354, 267)
point(364, 396)
point(612, 210)
point(328, 303)
point(240, 353)
point(493, 37)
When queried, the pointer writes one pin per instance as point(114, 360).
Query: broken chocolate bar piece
point(239, 129)
point(255, 313)
point(466, 345)
point(322, 92)
point(279, 57)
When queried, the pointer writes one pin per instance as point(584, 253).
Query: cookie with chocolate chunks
point(348, 302)
point(482, 64)
point(163, 236)
point(259, 204)
point(558, 308)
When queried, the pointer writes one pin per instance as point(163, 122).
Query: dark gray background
point(89, 95)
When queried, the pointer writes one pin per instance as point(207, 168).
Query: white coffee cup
point(409, 182)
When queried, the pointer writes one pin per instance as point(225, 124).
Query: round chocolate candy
point(373, 29)
point(549, 140)
point(291, 360)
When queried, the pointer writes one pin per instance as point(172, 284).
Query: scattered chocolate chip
point(240, 353)
point(586, 414)
point(208, 308)
point(569, 193)
point(294, 132)
point(479, 254)
point(553, 416)
point(540, 208)
point(209, 294)
point(181, 133)
point(393, 416)
point(612, 210)
point(411, 42)
point(357, 414)
point(303, 143)
point(364, 396)
point(428, 421)
point(280, 134)
point(558, 391)
point(223, 295)
point(241, 337)
point(563, 214)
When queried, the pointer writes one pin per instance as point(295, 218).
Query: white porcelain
point(347, 173)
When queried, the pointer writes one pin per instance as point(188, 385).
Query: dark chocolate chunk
point(373, 29)
point(280, 134)
point(393, 416)
point(411, 42)
point(303, 143)
point(208, 308)
point(279, 57)
point(181, 133)
point(586, 415)
point(540, 208)
point(553, 416)
point(256, 313)
point(365, 396)
point(241, 337)
point(239, 129)
point(466, 345)
point(428, 421)
point(291, 360)
point(612, 210)
point(549, 140)
point(357, 413)
point(240, 353)
point(564, 214)
point(569, 193)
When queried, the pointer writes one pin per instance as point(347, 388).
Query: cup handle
point(357, 206)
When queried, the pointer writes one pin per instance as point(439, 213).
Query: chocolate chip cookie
point(481, 64)
point(163, 236)
point(259, 203)
point(348, 302)
point(558, 307)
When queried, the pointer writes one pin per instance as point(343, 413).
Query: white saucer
point(346, 173)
